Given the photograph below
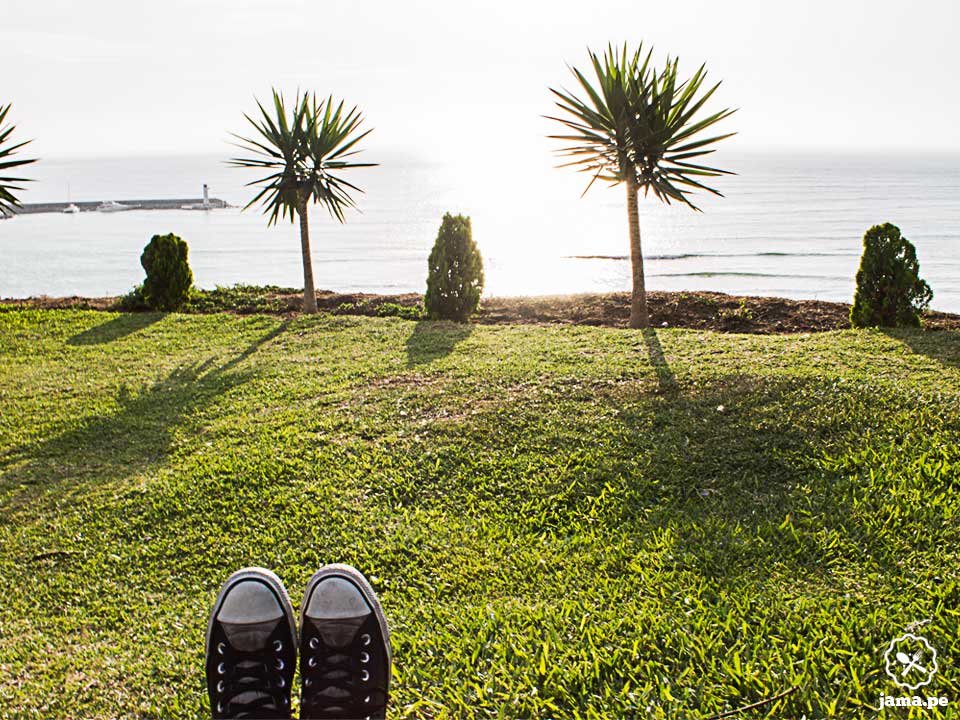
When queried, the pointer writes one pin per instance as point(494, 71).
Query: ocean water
point(790, 225)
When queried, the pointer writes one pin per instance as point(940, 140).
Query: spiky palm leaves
point(302, 150)
point(8, 201)
point(637, 126)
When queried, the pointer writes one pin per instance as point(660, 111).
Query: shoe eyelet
point(312, 662)
point(307, 682)
point(219, 707)
point(221, 648)
point(220, 686)
point(365, 676)
point(222, 669)
point(282, 683)
point(314, 643)
point(364, 657)
point(279, 664)
point(278, 645)
point(366, 700)
point(365, 638)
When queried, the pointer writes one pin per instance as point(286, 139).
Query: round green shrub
point(889, 292)
point(169, 277)
point(455, 272)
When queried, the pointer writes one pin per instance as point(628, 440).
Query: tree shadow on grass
point(432, 340)
point(940, 345)
point(256, 345)
point(724, 442)
point(733, 478)
point(665, 377)
point(710, 467)
point(135, 436)
point(115, 329)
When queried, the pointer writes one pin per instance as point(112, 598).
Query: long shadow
point(114, 329)
point(665, 377)
point(940, 345)
point(730, 464)
point(723, 442)
point(432, 340)
point(135, 436)
point(711, 468)
point(256, 345)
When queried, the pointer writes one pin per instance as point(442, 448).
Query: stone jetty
point(174, 204)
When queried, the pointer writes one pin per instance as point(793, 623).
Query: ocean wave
point(709, 273)
point(690, 256)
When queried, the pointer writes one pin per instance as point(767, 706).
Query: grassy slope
point(562, 522)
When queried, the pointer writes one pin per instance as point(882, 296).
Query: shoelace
point(332, 668)
point(246, 672)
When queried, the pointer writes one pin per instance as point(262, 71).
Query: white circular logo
point(911, 661)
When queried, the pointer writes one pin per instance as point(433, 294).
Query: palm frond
point(637, 121)
point(8, 184)
point(307, 144)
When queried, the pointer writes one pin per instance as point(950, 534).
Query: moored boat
point(113, 206)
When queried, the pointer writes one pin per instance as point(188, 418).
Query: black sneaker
point(251, 647)
point(344, 648)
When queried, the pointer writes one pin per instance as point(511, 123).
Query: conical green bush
point(889, 292)
point(455, 274)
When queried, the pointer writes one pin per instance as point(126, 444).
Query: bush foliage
point(455, 274)
point(133, 301)
point(889, 292)
point(169, 277)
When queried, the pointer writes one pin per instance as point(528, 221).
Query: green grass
point(562, 522)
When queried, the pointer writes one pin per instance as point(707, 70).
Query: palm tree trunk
point(309, 293)
point(638, 301)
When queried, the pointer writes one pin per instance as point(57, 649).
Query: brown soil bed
point(698, 310)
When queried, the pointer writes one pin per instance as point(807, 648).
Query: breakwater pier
point(152, 204)
point(204, 203)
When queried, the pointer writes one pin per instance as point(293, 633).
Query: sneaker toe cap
point(336, 597)
point(250, 601)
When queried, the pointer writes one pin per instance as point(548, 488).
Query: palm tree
point(302, 152)
point(8, 200)
point(636, 126)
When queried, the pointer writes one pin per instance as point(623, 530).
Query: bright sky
point(452, 78)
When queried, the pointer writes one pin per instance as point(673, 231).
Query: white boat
point(70, 209)
point(112, 206)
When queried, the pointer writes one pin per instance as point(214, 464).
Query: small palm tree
point(303, 151)
point(636, 126)
point(8, 201)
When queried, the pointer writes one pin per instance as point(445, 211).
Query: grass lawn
point(562, 522)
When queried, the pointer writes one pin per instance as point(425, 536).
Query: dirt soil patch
point(698, 310)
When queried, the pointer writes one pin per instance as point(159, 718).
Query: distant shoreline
point(693, 310)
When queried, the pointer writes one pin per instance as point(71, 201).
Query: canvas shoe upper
point(345, 656)
point(251, 648)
